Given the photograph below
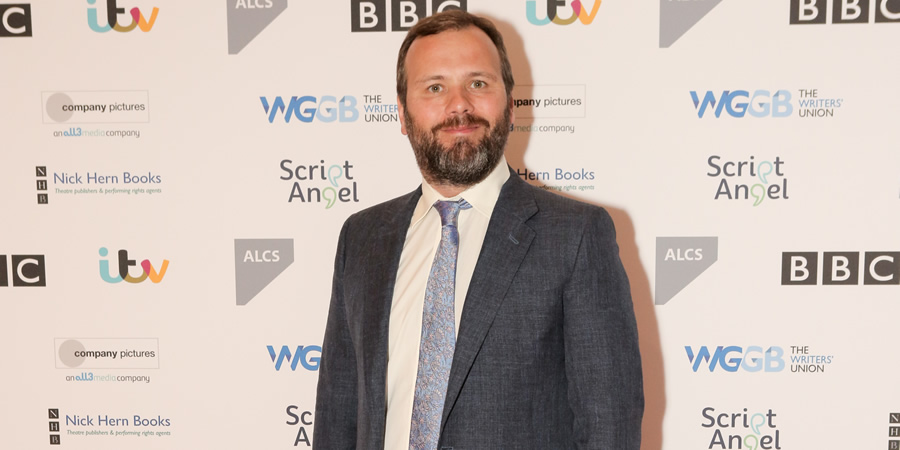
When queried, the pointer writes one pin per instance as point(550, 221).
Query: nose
point(459, 103)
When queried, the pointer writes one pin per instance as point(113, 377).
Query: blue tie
point(438, 333)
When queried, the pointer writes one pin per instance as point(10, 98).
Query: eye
point(435, 88)
point(478, 84)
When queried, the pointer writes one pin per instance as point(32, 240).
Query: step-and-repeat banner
point(175, 175)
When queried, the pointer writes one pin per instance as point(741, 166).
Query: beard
point(463, 163)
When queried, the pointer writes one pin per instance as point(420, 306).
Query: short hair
point(456, 20)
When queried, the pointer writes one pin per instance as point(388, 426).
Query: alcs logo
point(302, 356)
point(761, 104)
point(112, 18)
point(27, 270)
point(732, 358)
point(579, 12)
point(15, 20)
point(148, 271)
point(329, 109)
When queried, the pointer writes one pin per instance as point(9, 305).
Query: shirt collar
point(482, 196)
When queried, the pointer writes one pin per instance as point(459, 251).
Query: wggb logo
point(738, 103)
point(307, 356)
point(15, 20)
point(307, 108)
point(578, 12)
point(112, 18)
point(734, 358)
point(371, 15)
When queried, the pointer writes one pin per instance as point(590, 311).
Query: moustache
point(464, 120)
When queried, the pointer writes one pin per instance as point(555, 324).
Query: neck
point(448, 190)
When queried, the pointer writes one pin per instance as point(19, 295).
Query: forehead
point(469, 49)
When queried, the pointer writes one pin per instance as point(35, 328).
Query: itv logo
point(124, 264)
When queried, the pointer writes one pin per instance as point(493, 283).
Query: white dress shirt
point(405, 329)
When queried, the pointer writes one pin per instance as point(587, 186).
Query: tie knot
point(449, 211)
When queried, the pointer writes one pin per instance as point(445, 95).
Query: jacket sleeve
point(603, 362)
point(336, 395)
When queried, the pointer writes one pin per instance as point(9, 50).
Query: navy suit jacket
point(547, 351)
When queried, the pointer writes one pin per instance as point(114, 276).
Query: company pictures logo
point(248, 18)
point(331, 183)
point(307, 356)
point(371, 15)
point(93, 353)
point(679, 261)
point(257, 262)
point(15, 20)
point(840, 268)
point(24, 270)
point(763, 103)
point(764, 179)
point(113, 12)
point(742, 430)
point(843, 11)
point(578, 12)
point(124, 265)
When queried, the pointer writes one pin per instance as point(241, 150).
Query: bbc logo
point(371, 15)
point(15, 20)
point(840, 268)
point(844, 11)
point(27, 270)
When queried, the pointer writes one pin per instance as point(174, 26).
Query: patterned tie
point(438, 333)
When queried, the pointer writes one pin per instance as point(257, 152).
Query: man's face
point(457, 113)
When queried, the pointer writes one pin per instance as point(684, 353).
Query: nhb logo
point(307, 108)
point(840, 268)
point(844, 11)
point(301, 355)
point(15, 20)
point(738, 103)
point(112, 18)
point(734, 358)
point(147, 269)
point(27, 271)
point(371, 15)
point(578, 12)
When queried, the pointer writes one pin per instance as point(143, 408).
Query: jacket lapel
point(505, 245)
point(384, 246)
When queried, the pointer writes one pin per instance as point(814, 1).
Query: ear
point(401, 110)
point(512, 112)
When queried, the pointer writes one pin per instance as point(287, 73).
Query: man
point(476, 312)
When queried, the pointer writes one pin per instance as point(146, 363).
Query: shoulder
point(563, 211)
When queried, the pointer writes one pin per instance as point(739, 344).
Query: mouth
point(461, 130)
